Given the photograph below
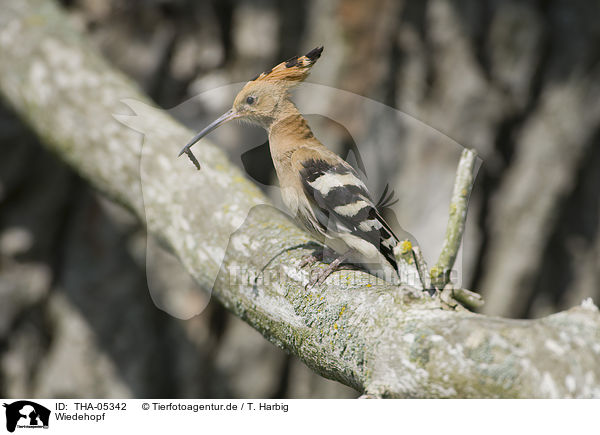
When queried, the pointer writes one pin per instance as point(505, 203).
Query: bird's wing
point(340, 200)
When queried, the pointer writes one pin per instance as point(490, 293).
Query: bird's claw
point(319, 278)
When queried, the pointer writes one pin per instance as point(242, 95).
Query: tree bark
point(382, 340)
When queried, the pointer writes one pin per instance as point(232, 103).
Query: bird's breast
point(291, 199)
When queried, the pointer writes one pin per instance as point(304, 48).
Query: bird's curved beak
point(227, 116)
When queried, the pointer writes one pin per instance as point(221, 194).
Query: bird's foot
point(309, 260)
point(320, 277)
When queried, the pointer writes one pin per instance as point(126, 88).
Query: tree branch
point(463, 183)
point(382, 340)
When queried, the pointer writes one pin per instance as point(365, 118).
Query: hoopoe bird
point(320, 189)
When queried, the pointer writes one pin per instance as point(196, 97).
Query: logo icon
point(26, 414)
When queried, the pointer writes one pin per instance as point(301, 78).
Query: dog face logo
point(26, 414)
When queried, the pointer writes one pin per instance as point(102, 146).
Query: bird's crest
point(292, 71)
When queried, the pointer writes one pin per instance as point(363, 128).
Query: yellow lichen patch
point(342, 311)
point(406, 246)
point(369, 285)
point(404, 251)
point(335, 326)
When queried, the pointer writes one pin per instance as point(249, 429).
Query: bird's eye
point(251, 100)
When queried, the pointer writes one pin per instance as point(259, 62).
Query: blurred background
point(519, 81)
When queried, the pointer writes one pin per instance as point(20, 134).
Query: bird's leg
point(323, 274)
point(320, 253)
point(323, 254)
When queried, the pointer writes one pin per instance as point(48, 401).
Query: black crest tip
point(315, 53)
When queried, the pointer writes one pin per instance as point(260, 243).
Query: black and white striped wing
point(341, 204)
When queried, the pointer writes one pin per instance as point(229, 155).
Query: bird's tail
point(386, 202)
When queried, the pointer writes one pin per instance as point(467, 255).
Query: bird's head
point(260, 100)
